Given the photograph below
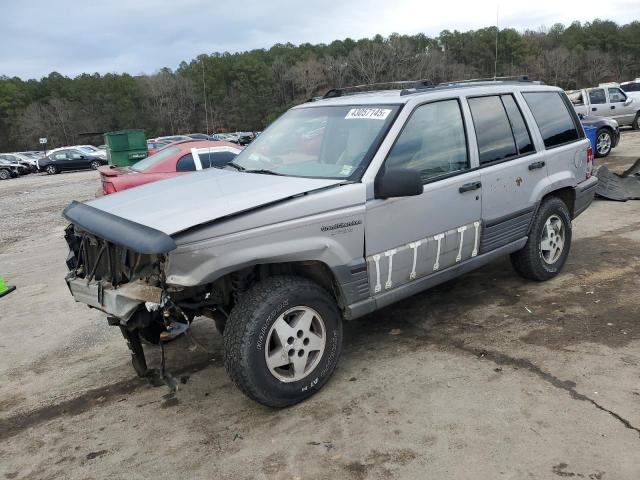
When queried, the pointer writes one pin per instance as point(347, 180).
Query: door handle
point(613, 107)
point(467, 187)
point(594, 109)
point(534, 165)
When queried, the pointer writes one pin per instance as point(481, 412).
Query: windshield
point(325, 142)
point(159, 156)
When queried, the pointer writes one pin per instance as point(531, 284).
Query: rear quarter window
point(555, 122)
point(186, 164)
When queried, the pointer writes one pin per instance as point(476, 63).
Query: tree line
point(246, 91)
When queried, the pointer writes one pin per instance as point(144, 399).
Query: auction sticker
point(374, 113)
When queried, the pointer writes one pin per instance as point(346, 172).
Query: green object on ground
point(4, 288)
point(125, 147)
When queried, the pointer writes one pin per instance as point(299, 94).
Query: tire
point(604, 142)
point(636, 122)
point(94, 164)
point(51, 169)
point(5, 175)
point(535, 262)
point(255, 326)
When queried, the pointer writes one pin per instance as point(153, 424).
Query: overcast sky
point(142, 36)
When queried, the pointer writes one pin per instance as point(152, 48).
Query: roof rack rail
point(474, 81)
point(369, 87)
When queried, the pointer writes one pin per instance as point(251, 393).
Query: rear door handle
point(534, 165)
point(594, 109)
point(467, 187)
point(613, 107)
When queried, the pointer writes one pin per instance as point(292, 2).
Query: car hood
point(176, 204)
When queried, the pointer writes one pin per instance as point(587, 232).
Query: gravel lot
point(486, 377)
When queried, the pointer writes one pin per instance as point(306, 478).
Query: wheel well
point(241, 280)
point(567, 195)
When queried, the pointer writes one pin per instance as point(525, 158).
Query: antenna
point(204, 94)
point(495, 64)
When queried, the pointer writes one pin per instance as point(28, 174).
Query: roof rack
point(369, 87)
point(417, 86)
point(476, 81)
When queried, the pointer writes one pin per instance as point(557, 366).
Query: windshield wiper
point(240, 168)
point(263, 171)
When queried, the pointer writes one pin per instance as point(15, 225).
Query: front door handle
point(467, 187)
point(534, 165)
point(594, 109)
point(613, 107)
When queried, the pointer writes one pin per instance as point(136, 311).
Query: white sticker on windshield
point(374, 113)
point(346, 170)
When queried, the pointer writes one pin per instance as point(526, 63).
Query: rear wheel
point(604, 142)
point(283, 340)
point(547, 248)
point(5, 174)
point(51, 169)
point(95, 164)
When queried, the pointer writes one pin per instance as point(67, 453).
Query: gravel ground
point(488, 376)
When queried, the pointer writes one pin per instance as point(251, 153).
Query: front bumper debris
point(119, 302)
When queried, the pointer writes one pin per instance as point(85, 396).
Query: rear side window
point(432, 142)
point(186, 164)
point(552, 116)
point(493, 130)
point(597, 96)
point(631, 87)
point(216, 159)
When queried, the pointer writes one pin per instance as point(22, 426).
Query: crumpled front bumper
point(119, 302)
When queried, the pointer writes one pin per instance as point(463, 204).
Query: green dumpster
point(125, 147)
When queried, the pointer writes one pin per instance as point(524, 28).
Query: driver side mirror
point(399, 182)
point(628, 101)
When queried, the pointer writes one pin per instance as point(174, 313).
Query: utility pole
point(204, 95)
point(495, 64)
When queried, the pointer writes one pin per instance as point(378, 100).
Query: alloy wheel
point(552, 241)
point(295, 344)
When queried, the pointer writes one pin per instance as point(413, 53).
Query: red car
point(176, 159)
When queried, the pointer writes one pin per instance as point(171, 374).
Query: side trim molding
point(371, 304)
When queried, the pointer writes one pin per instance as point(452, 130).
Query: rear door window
point(553, 118)
point(186, 164)
point(518, 126)
point(493, 130)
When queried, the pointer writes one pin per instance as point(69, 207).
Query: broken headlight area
point(93, 258)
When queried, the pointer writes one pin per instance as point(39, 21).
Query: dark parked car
point(69, 159)
point(607, 135)
point(10, 169)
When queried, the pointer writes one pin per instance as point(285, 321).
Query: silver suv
point(342, 206)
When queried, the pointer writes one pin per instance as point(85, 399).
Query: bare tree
point(308, 76)
point(369, 62)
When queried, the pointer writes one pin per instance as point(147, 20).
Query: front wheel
point(636, 122)
point(51, 169)
point(604, 141)
point(95, 164)
point(282, 340)
point(5, 174)
point(547, 248)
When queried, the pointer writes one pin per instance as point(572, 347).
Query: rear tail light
point(108, 187)
point(589, 161)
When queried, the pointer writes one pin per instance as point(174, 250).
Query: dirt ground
point(486, 377)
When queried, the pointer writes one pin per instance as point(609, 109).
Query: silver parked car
point(342, 206)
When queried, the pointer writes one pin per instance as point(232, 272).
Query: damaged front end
point(118, 266)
